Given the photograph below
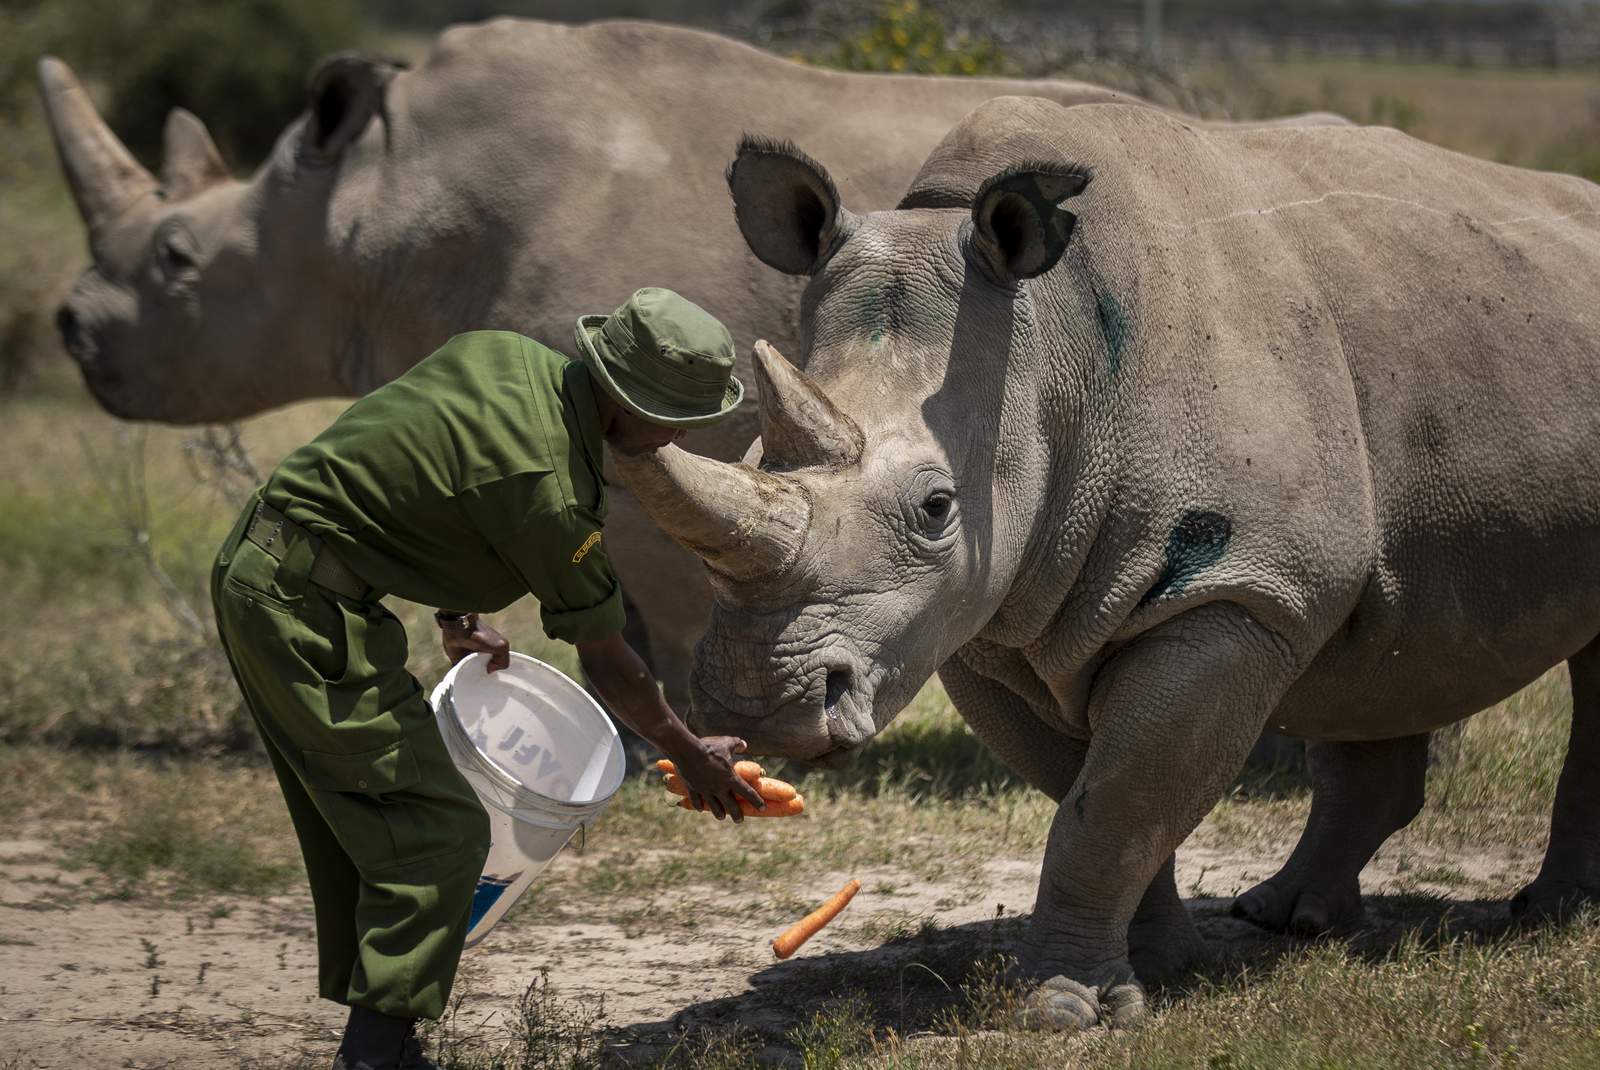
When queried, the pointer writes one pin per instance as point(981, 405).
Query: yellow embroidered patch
point(583, 551)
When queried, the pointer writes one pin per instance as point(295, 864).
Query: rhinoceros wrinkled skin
point(526, 174)
point(1145, 437)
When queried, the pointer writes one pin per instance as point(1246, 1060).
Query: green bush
point(242, 66)
point(907, 38)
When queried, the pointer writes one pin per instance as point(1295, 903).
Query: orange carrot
point(774, 790)
point(748, 770)
point(790, 940)
point(769, 789)
point(790, 808)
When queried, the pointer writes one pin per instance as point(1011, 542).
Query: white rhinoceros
point(1290, 427)
point(527, 173)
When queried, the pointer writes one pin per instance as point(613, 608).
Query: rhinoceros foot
point(1061, 1005)
point(1551, 900)
point(1302, 907)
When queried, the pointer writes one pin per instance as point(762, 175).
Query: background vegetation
point(117, 717)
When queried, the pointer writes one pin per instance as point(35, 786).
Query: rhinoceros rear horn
point(103, 175)
point(190, 161)
point(800, 425)
point(786, 204)
point(346, 91)
point(1019, 229)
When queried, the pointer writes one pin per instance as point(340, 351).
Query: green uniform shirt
point(469, 481)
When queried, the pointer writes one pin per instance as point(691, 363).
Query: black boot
point(411, 1057)
point(374, 1041)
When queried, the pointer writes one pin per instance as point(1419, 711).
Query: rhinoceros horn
point(190, 161)
point(745, 523)
point(103, 175)
point(800, 426)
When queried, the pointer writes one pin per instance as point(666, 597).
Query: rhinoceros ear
point(1019, 230)
point(190, 161)
point(786, 204)
point(346, 91)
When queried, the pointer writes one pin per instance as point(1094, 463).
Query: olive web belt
point(272, 531)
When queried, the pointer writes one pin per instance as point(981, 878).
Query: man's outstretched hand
point(472, 636)
point(713, 785)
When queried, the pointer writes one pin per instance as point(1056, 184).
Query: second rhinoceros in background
point(1158, 436)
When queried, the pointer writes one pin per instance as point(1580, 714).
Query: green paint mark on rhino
point(885, 311)
point(1197, 542)
point(1114, 327)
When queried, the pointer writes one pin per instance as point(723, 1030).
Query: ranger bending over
point(473, 479)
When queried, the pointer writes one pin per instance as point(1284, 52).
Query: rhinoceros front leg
point(1571, 871)
point(1361, 794)
point(1172, 715)
point(1163, 941)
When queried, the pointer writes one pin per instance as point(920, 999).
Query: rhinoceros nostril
point(71, 331)
point(838, 686)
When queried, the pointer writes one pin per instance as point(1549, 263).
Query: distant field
point(1532, 118)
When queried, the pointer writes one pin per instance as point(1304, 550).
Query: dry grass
point(1476, 998)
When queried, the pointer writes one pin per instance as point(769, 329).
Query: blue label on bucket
point(486, 894)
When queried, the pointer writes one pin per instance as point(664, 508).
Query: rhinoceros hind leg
point(1362, 793)
point(1570, 874)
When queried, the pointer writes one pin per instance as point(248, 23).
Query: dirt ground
point(150, 982)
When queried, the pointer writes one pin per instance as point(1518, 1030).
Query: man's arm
point(631, 692)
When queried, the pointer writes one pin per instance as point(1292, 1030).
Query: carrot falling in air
point(790, 940)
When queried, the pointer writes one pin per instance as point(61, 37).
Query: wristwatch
point(449, 618)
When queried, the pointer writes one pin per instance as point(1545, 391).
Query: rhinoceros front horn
point(745, 523)
point(103, 174)
point(800, 426)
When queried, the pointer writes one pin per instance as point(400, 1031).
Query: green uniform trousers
point(393, 837)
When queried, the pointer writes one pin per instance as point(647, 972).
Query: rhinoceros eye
point(177, 256)
point(930, 508)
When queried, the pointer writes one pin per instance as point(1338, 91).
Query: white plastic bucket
point(540, 753)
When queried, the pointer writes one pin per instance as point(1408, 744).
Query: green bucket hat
point(663, 358)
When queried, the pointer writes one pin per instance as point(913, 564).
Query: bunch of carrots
point(781, 798)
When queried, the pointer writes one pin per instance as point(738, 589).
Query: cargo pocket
point(373, 772)
point(367, 802)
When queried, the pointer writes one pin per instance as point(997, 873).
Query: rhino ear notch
point(787, 205)
point(346, 91)
point(1019, 229)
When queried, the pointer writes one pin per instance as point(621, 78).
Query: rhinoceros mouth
point(838, 757)
point(810, 728)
